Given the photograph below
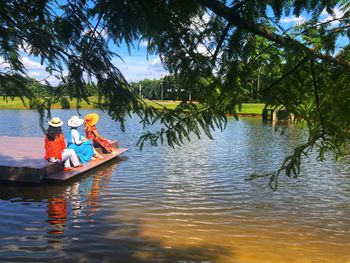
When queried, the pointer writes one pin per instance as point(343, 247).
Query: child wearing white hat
point(82, 146)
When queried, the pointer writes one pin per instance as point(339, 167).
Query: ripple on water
point(184, 204)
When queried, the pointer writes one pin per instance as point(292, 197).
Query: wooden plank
point(22, 152)
point(22, 160)
point(65, 175)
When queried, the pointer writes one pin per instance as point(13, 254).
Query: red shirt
point(54, 148)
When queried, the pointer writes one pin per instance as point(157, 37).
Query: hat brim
point(56, 125)
point(91, 119)
point(75, 125)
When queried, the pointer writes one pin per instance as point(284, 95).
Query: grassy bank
point(169, 104)
point(251, 108)
point(16, 103)
point(247, 108)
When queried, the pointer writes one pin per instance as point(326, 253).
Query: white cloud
point(34, 70)
point(25, 48)
point(199, 24)
point(3, 64)
point(156, 66)
point(206, 17)
point(155, 62)
point(202, 49)
point(135, 68)
point(34, 74)
point(138, 68)
point(292, 19)
point(30, 64)
point(143, 43)
point(328, 17)
point(41, 75)
point(97, 32)
point(27, 63)
point(53, 80)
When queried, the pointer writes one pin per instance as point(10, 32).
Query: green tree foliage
point(166, 88)
point(147, 89)
point(217, 50)
point(173, 90)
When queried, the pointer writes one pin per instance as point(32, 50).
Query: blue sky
point(137, 65)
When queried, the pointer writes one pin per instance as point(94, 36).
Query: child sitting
point(92, 133)
point(55, 146)
point(82, 146)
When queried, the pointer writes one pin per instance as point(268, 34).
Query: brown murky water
point(189, 204)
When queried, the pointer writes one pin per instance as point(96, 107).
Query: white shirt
point(75, 137)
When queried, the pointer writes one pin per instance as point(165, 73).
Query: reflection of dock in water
point(74, 200)
point(22, 160)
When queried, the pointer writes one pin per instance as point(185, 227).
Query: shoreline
point(246, 109)
point(244, 115)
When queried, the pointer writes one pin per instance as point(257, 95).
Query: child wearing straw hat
point(55, 146)
point(91, 133)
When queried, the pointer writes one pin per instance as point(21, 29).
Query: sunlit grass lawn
point(169, 104)
point(247, 108)
point(251, 108)
point(16, 103)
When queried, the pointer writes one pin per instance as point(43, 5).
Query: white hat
point(75, 122)
point(55, 122)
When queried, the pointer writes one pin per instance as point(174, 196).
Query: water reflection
point(57, 214)
point(67, 205)
point(188, 204)
point(64, 207)
point(83, 198)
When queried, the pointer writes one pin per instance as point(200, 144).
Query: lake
point(188, 204)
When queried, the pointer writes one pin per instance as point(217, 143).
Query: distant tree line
point(39, 90)
point(165, 88)
point(170, 88)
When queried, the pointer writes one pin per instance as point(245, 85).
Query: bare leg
point(97, 155)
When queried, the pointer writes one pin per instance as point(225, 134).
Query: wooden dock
point(22, 160)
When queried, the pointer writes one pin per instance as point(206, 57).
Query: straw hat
point(75, 122)
point(55, 122)
point(91, 119)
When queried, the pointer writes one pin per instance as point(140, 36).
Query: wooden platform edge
point(66, 175)
point(21, 174)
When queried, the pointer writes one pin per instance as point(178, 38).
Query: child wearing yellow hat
point(92, 133)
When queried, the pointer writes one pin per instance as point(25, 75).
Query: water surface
point(188, 204)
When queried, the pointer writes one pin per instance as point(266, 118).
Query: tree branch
point(221, 41)
point(295, 68)
point(317, 99)
point(223, 11)
point(237, 6)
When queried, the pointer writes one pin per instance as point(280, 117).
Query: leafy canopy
point(217, 50)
